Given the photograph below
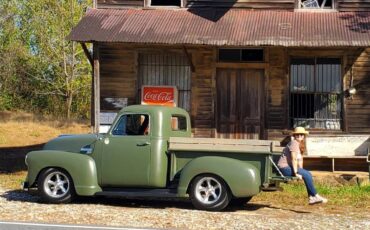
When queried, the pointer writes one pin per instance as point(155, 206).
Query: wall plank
point(276, 113)
point(358, 107)
point(117, 73)
point(354, 5)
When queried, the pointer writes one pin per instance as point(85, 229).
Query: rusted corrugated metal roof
point(233, 28)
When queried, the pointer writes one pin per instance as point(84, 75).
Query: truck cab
point(133, 152)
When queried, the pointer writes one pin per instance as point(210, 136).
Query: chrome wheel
point(208, 190)
point(56, 184)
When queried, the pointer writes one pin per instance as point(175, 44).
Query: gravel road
point(20, 206)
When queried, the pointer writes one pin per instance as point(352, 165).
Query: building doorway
point(239, 103)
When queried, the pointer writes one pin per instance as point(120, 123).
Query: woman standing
point(291, 164)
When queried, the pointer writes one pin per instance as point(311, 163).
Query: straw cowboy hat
point(299, 130)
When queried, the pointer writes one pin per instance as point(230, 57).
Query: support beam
point(192, 68)
point(87, 53)
point(95, 96)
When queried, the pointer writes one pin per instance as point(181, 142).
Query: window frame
point(116, 123)
point(339, 93)
point(177, 116)
point(333, 8)
point(240, 55)
point(148, 4)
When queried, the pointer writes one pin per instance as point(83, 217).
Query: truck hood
point(71, 143)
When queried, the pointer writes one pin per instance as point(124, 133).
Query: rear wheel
point(56, 186)
point(209, 192)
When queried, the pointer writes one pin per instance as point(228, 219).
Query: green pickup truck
point(149, 152)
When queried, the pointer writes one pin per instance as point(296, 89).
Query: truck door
point(126, 152)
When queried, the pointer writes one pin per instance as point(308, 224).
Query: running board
point(138, 192)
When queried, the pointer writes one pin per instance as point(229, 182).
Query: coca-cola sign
point(159, 95)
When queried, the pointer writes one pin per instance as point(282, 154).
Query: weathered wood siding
point(118, 73)
point(358, 107)
point(356, 111)
point(203, 90)
point(119, 3)
point(353, 5)
point(251, 4)
point(277, 93)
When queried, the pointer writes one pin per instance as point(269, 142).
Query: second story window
point(240, 55)
point(316, 4)
point(165, 3)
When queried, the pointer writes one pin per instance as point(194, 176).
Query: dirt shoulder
point(20, 206)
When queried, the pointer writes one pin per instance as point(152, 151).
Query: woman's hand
point(299, 176)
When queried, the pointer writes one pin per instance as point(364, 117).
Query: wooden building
point(243, 68)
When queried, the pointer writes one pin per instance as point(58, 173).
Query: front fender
point(81, 168)
point(242, 178)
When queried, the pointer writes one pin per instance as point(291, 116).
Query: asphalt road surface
point(36, 226)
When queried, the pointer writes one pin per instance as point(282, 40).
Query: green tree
point(53, 72)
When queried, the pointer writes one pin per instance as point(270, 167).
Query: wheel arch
point(81, 168)
point(241, 178)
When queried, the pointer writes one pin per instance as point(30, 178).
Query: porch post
point(95, 96)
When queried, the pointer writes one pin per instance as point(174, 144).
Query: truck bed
point(223, 145)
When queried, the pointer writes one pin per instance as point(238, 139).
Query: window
point(167, 69)
point(315, 93)
point(178, 123)
point(165, 3)
point(240, 55)
point(316, 4)
point(132, 124)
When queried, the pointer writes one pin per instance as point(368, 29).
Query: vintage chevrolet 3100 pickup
point(149, 151)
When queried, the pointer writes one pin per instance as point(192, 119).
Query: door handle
point(143, 143)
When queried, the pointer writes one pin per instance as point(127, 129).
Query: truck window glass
point(178, 123)
point(132, 124)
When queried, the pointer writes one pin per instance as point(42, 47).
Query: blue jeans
point(307, 178)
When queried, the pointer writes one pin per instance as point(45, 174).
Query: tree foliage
point(40, 70)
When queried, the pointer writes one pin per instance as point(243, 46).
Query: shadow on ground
point(158, 203)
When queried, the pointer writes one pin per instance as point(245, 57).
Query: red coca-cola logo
point(158, 96)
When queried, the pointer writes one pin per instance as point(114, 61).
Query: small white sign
point(107, 118)
point(104, 128)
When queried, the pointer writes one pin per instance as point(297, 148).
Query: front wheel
point(209, 192)
point(56, 186)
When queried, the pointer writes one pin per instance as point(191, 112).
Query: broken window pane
point(310, 4)
point(316, 4)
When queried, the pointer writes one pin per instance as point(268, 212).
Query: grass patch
point(22, 129)
point(12, 181)
point(295, 194)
